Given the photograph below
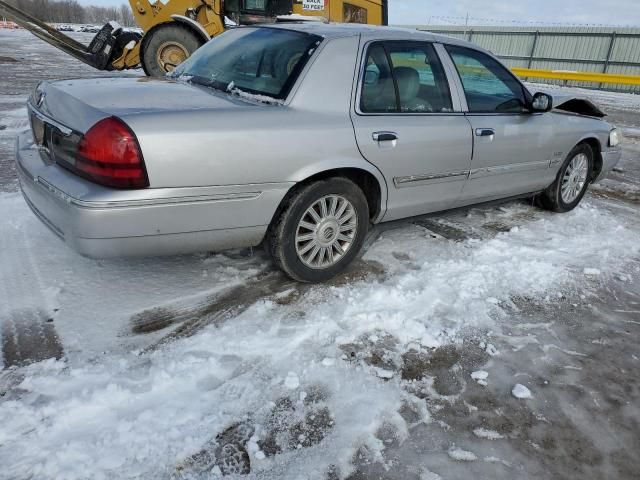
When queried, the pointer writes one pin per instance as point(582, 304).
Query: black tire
point(552, 199)
point(281, 237)
point(160, 37)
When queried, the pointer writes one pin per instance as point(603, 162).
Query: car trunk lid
point(80, 104)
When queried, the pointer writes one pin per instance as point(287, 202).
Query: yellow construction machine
point(174, 29)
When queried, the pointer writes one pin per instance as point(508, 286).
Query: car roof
point(370, 32)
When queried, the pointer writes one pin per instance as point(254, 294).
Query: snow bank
point(134, 415)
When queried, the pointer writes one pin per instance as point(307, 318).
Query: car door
point(408, 124)
point(512, 146)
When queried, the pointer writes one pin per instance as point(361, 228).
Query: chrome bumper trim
point(220, 197)
point(149, 201)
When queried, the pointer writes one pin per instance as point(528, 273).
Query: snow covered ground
point(499, 342)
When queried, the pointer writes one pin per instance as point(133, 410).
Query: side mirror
point(541, 102)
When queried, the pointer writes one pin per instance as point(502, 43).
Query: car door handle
point(485, 132)
point(385, 136)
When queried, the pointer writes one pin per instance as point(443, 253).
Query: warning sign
point(314, 5)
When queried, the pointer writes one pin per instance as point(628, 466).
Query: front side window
point(488, 86)
point(404, 77)
point(353, 14)
point(263, 61)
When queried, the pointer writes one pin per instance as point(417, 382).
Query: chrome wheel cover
point(575, 178)
point(326, 232)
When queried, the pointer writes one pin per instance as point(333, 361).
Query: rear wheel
point(320, 230)
point(167, 47)
point(572, 182)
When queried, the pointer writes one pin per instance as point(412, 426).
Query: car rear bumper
point(99, 222)
point(610, 159)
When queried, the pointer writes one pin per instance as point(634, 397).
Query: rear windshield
point(255, 60)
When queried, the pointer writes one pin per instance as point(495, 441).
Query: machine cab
point(247, 12)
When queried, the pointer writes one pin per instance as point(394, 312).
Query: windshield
point(261, 61)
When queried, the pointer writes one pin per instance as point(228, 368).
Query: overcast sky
point(613, 12)
point(608, 12)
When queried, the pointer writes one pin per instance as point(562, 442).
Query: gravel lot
point(497, 342)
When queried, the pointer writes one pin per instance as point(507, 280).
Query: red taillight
point(109, 154)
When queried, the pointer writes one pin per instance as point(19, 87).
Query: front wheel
point(320, 230)
point(572, 182)
point(166, 47)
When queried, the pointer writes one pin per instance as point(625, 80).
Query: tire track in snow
point(26, 325)
point(216, 309)
point(188, 318)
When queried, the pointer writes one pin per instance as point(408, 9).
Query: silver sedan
point(299, 136)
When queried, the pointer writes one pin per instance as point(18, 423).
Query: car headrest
point(408, 82)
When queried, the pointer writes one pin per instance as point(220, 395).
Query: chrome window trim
point(453, 93)
point(503, 114)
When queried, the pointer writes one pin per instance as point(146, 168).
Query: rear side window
point(404, 77)
point(488, 86)
point(263, 61)
point(378, 89)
